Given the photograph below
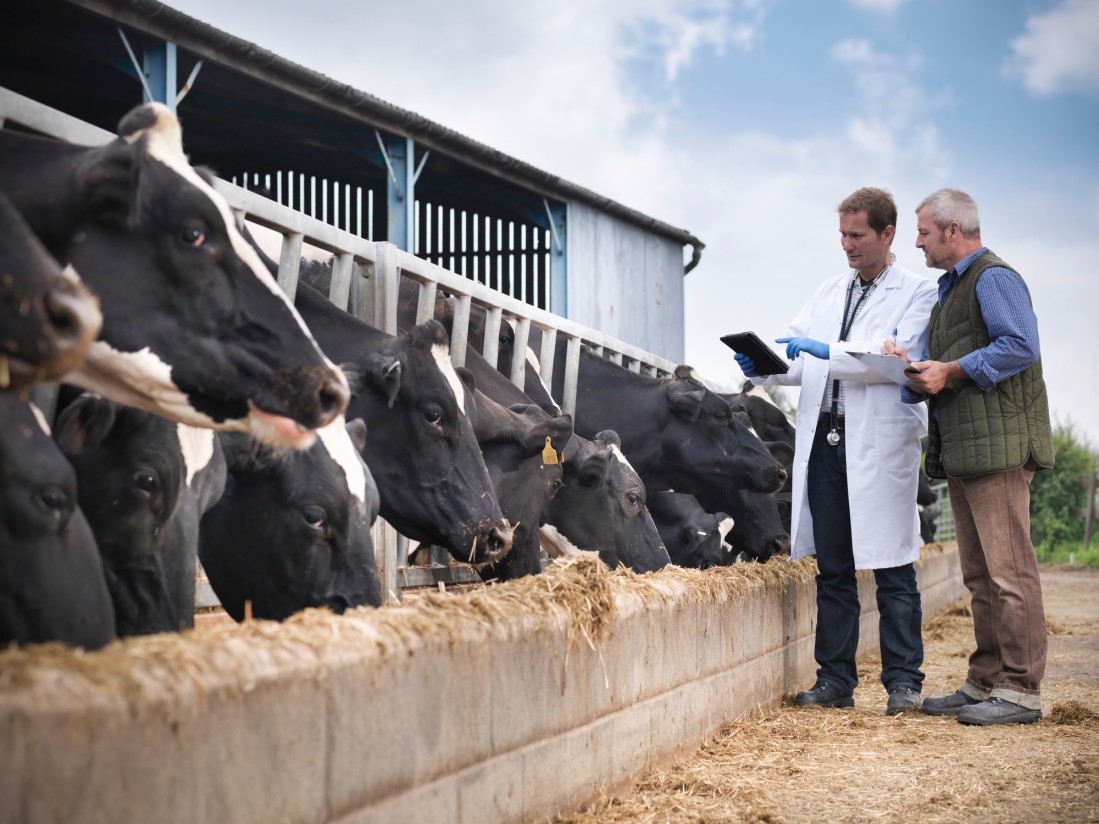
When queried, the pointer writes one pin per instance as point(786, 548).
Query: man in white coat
point(857, 455)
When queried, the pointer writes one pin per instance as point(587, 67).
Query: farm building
point(359, 163)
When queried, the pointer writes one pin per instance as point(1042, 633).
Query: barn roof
point(208, 43)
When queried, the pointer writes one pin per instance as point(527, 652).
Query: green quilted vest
point(974, 432)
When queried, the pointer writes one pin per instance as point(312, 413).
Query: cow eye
point(314, 516)
point(433, 415)
point(193, 235)
point(556, 487)
point(633, 499)
point(146, 481)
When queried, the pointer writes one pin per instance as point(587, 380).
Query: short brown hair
point(878, 204)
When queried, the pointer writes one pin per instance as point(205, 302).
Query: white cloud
point(883, 6)
point(1059, 52)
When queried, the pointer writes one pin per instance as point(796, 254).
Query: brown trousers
point(992, 520)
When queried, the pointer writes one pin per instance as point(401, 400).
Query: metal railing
point(944, 512)
point(372, 295)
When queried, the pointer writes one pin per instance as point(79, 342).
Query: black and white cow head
point(522, 445)
point(195, 328)
point(422, 448)
point(51, 579)
point(693, 537)
point(48, 318)
point(602, 507)
point(292, 530)
point(144, 484)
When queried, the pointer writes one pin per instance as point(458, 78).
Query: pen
point(894, 337)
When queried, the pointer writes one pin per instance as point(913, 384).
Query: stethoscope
point(833, 436)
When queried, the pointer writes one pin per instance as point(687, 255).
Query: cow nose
point(498, 542)
point(332, 398)
point(337, 604)
point(74, 318)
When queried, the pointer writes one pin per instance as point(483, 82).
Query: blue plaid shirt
point(1012, 327)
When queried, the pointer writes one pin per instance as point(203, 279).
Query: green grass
point(1071, 553)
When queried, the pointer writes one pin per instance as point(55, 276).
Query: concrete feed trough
point(503, 704)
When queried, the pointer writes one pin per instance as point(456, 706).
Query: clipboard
point(889, 366)
point(765, 360)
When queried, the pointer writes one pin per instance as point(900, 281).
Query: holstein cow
point(692, 536)
point(144, 484)
point(776, 429)
point(293, 528)
point(51, 578)
point(602, 503)
point(757, 530)
point(677, 433)
point(48, 319)
point(526, 466)
point(420, 443)
point(614, 521)
point(194, 326)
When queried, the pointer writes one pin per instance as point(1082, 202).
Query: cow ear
point(609, 437)
point(106, 182)
point(356, 430)
point(85, 422)
point(383, 373)
point(684, 400)
point(356, 378)
point(593, 467)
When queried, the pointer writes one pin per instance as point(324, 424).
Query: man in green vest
point(989, 431)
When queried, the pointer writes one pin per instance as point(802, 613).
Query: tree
point(1058, 495)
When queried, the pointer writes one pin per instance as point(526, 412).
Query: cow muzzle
point(490, 543)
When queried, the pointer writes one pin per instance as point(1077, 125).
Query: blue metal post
point(559, 259)
point(159, 67)
point(400, 192)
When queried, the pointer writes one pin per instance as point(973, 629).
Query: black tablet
point(748, 343)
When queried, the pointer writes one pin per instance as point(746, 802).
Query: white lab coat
point(882, 433)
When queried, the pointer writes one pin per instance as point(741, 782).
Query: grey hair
point(953, 206)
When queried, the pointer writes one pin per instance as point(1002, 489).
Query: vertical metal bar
point(572, 370)
point(425, 306)
point(387, 278)
point(289, 261)
point(362, 292)
point(547, 355)
point(492, 336)
point(460, 330)
point(519, 353)
point(1089, 520)
point(340, 288)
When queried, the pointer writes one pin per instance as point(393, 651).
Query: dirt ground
point(812, 765)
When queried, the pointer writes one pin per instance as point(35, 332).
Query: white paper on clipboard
point(890, 366)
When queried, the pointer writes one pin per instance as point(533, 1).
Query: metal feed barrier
point(372, 296)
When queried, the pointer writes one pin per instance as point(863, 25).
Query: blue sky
point(747, 121)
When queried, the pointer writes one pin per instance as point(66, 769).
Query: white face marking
point(40, 418)
point(340, 448)
point(725, 527)
point(441, 354)
point(165, 143)
point(557, 545)
point(618, 454)
point(197, 448)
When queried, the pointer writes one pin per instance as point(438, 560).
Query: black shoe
point(949, 704)
point(902, 699)
point(997, 711)
point(824, 694)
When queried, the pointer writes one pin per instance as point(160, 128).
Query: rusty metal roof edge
point(180, 27)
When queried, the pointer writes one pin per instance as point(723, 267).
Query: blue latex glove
point(746, 365)
point(795, 346)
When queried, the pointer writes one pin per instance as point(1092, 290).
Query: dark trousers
point(838, 609)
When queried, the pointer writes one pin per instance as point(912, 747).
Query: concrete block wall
point(484, 707)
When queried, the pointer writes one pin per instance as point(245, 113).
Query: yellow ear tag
point(549, 454)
